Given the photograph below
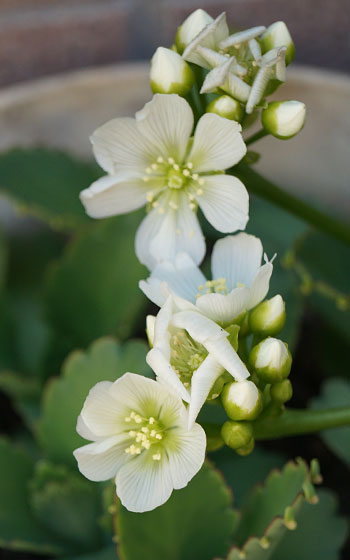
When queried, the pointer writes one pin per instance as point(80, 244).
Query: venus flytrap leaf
point(170, 73)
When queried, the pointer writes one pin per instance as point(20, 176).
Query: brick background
point(41, 37)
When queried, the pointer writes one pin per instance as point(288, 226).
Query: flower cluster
point(212, 339)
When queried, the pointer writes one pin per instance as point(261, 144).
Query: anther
point(160, 159)
point(199, 192)
point(145, 430)
point(151, 420)
point(171, 160)
point(189, 164)
point(186, 172)
point(154, 166)
point(195, 176)
point(149, 195)
point(201, 181)
point(176, 166)
point(148, 170)
point(192, 206)
point(159, 436)
point(156, 457)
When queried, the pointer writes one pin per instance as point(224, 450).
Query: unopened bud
point(150, 322)
point(247, 449)
point(268, 318)
point(277, 35)
point(241, 400)
point(190, 28)
point(227, 107)
point(236, 434)
point(282, 391)
point(271, 360)
point(284, 119)
point(170, 73)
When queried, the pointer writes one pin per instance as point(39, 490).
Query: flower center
point(166, 178)
point(146, 433)
point(213, 286)
point(186, 355)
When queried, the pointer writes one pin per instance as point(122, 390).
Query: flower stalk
point(257, 184)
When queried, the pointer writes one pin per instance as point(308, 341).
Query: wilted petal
point(223, 352)
point(202, 381)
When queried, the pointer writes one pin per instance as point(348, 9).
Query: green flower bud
point(284, 119)
point(268, 318)
point(247, 449)
point(275, 36)
point(190, 28)
point(170, 73)
point(150, 322)
point(271, 360)
point(241, 400)
point(282, 391)
point(227, 107)
point(237, 434)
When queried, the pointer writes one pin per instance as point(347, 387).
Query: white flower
point(239, 282)
point(152, 159)
point(140, 438)
point(190, 353)
point(190, 28)
point(284, 119)
point(170, 73)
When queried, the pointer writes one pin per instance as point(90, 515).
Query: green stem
point(255, 137)
point(296, 422)
point(257, 184)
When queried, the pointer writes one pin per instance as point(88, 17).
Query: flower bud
point(268, 318)
point(150, 322)
point(190, 28)
point(282, 392)
point(227, 107)
point(247, 449)
point(271, 360)
point(277, 35)
point(241, 400)
point(237, 434)
point(170, 73)
point(284, 119)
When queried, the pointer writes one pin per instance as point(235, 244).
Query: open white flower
point(140, 438)
point(153, 159)
point(190, 353)
point(239, 281)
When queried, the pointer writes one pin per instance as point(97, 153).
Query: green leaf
point(47, 183)
point(18, 528)
point(67, 505)
point(93, 290)
point(63, 399)
point(197, 522)
point(320, 533)
point(242, 473)
point(271, 510)
point(335, 393)
point(108, 553)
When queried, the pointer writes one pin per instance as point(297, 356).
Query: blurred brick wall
point(41, 37)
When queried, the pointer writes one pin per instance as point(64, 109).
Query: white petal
point(161, 327)
point(224, 202)
point(200, 328)
point(163, 369)
point(182, 276)
point(101, 460)
point(114, 194)
point(260, 285)
point(162, 235)
point(100, 412)
point(201, 383)
point(223, 308)
point(209, 37)
point(144, 484)
point(187, 457)
point(118, 144)
point(155, 290)
point(166, 122)
point(223, 352)
point(217, 144)
point(84, 431)
point(237, 258)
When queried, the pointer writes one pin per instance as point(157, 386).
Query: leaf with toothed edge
point(273, 512)
point(63, 398)
point(196, 522)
